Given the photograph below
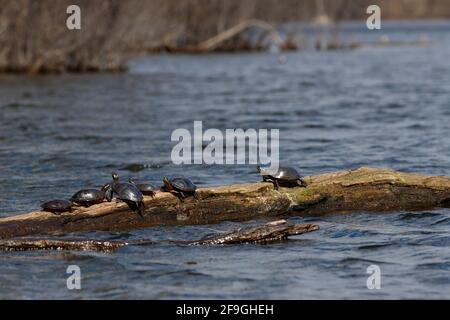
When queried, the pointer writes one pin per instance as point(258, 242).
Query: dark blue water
point(384, 107)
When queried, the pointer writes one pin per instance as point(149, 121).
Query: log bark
point(364, 189)
point(269, 232)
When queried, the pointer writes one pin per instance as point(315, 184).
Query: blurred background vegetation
point(34, 37)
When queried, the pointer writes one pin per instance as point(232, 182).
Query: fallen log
point(217, 41)
point(364, 189)
point(269, 232)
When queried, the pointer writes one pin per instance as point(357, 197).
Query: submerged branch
point(63, 244)
point(270, 232)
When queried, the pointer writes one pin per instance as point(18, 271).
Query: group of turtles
point(132, 192)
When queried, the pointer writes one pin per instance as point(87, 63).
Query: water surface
point(383, 107)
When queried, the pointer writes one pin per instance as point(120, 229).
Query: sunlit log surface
point(269, 232)
point(364, 189)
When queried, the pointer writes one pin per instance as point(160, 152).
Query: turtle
point(285, 176)
point(147, 189)
point(57, 206)
point(180, 186)
point(88, 197)
point(128, 193)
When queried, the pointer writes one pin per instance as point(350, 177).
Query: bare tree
point(34, 37)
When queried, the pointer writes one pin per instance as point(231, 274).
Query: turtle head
point(107, 190)
point(115, 177)
point(106, 187)
point(167, 183)
point(302, 183)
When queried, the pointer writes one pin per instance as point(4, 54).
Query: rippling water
point(386, 107)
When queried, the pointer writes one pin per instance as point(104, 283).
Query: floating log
point(269, 232)
point(364, 189)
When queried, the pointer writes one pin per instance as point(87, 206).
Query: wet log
point(269, 232)
point(364, 189)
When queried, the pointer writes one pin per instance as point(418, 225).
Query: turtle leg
point(179, 195)
point(302, 183)
point(276, 185)
point(107, 190)
point(138, 207)
point(141, 208)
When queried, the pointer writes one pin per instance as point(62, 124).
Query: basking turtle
point(147, 189)
point(285, 176)
point(128, 193)
point(57, 206)
point(88, 197)
point(180, 186)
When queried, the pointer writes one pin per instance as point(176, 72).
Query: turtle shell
point(183, 184)
point(128, 192)
point(147, 188)
point(57, 206)
point(88, 197)
point(286, 174)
